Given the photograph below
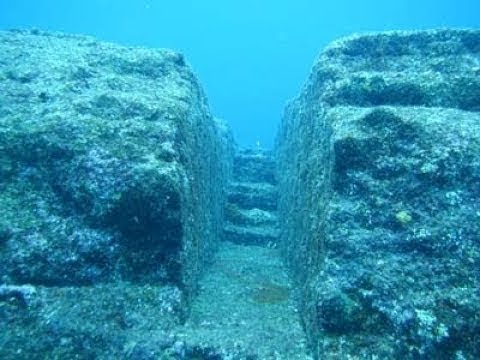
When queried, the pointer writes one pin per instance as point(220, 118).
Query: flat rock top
point(82, 92)
point(436, 68)
point(400, 43)
point(80, 75)
point(39, 50)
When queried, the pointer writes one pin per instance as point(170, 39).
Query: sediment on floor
point(245, 309)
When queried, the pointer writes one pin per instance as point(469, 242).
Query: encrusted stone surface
point(379, 178)
point(111, 169)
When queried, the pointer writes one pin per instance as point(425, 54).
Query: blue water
point(251, 55)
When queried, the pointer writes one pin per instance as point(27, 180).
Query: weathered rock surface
point(379, 185)
point(111, 169)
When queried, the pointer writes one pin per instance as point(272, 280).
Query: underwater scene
point(251, 180)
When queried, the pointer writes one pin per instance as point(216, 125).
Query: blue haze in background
point(251, 56)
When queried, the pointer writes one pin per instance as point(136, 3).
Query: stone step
point(250, 235)
point(248, 195)
point(249, 217)
point(254, 165)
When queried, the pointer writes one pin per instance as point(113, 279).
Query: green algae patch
point(270, 293)
point(403, 217)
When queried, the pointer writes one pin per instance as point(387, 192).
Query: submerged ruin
point(133, 227)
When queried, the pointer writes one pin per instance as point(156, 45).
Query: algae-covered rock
point(108, 321)
point(111, 169)
point(379, 174)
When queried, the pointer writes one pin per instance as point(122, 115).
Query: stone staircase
point(246, 307)
point(250, 211)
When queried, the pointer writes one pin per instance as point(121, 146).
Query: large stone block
point(113, 180)
point(379, 178)
point(111, 164)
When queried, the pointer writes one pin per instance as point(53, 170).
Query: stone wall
point(379, 174)
point(111, 165)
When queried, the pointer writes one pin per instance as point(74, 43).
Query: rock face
point(112, 170)
point(379, 184)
